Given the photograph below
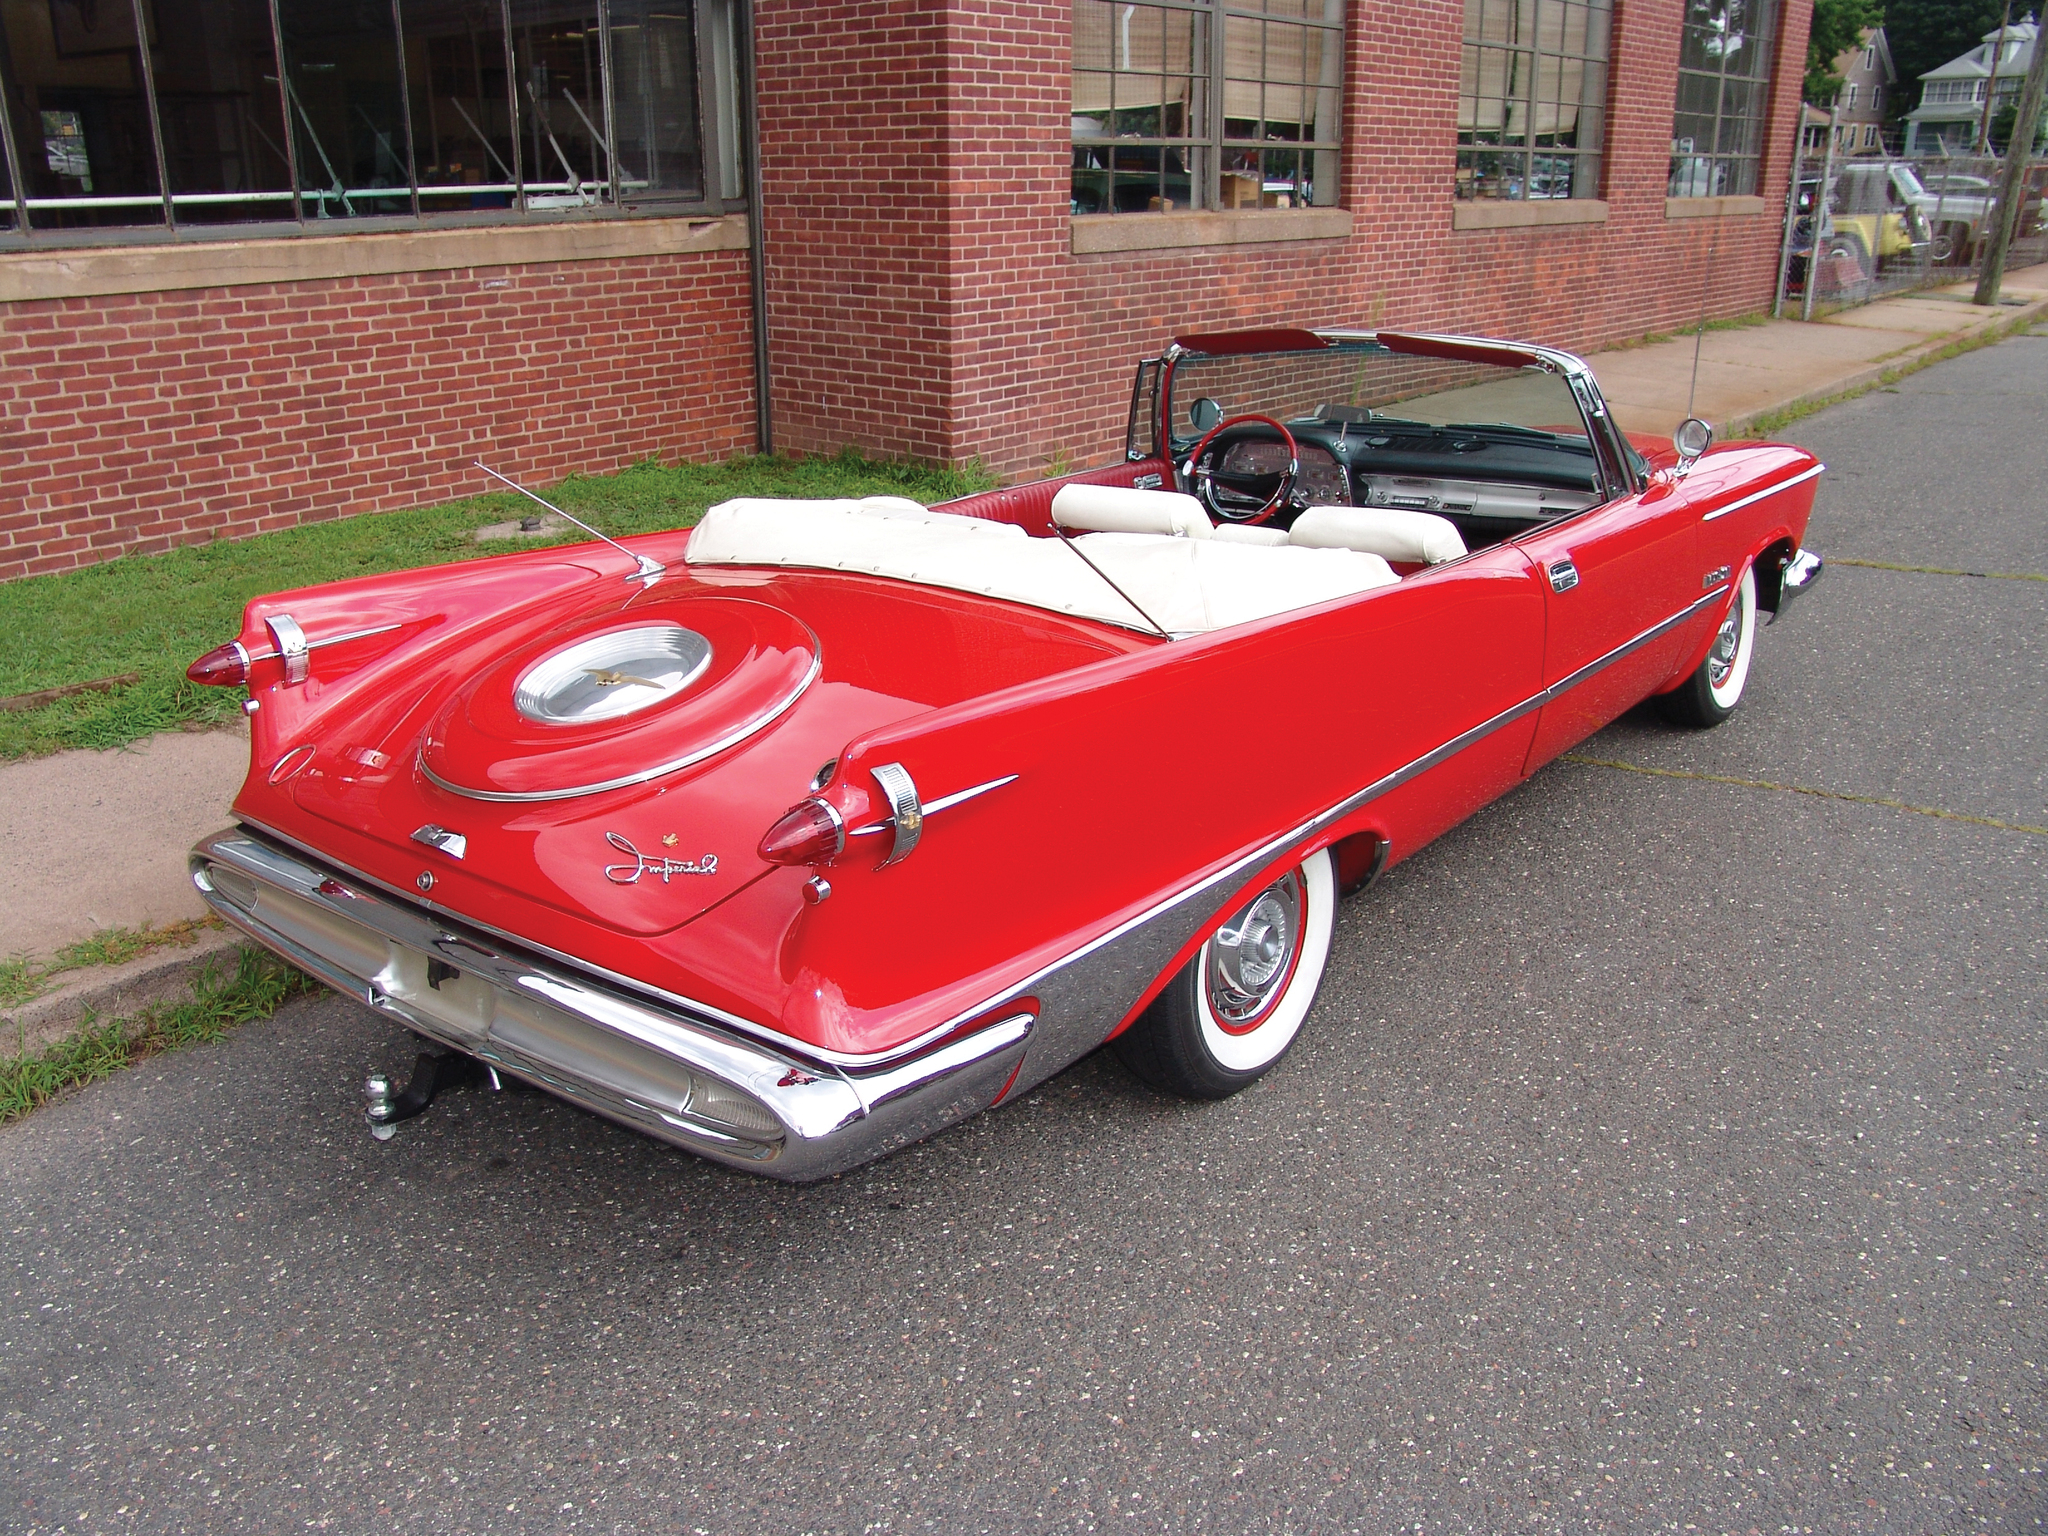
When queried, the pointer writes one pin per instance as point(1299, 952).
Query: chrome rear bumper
point(683, 1077)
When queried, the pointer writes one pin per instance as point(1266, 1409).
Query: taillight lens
point(221, 667)
point(809, 832)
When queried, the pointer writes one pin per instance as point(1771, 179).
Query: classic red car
point(796, 836)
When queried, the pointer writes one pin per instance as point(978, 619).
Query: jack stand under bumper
point(432, 1072)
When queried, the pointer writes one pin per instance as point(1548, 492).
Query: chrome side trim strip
point(730, 739)
point(1056, 1048)
point(1756, 496)
point(943, 803)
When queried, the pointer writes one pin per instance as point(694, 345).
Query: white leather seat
point(1188, 585)
point(1248, 533)
point(1120, 509)
point(1392, 533)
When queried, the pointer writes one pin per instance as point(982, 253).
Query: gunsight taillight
point(809, 832)
point(221, 667)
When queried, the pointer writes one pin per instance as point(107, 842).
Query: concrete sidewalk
point(1754, 372)
point(95, 839)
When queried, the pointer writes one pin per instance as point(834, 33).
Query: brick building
point(237, 293)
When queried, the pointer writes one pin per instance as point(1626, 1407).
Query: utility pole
point(2012, 190)
point(1991, 85)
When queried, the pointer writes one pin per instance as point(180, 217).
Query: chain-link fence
point(1861, 227)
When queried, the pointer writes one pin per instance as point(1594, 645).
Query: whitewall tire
point(1233, 1010)
point(1714, 689)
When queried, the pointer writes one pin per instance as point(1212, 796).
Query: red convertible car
point(796, 836)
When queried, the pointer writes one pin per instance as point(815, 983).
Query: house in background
point(1868, 78)
point(1951, 116)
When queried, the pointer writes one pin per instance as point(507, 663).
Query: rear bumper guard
point(684, 1079)
point(1797, 577)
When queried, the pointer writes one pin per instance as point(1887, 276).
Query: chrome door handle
point(1563, 574)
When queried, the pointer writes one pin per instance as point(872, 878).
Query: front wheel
point(1710, 695)
point(1232, 1011)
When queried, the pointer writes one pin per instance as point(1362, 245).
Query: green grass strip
point(1805, 789)
point(1938, 570)
point(1768, 426)
point(23, 980)
point(151, 614)
point(253, 985)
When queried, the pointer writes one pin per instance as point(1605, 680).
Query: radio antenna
point(644, 568)
point(1700, 333)
point(1119, 591)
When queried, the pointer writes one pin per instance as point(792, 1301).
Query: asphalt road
point(1662, 1155)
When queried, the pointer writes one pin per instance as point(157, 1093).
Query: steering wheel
point(1206, 490)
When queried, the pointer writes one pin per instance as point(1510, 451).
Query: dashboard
point(1491, 482)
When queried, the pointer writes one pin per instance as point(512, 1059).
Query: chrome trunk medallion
point(613, 675)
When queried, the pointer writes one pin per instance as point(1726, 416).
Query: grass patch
point(1777, 421)
point(253, 985)
point(23, 980)
point(151, 614)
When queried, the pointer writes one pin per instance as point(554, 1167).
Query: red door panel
point(1609, 576)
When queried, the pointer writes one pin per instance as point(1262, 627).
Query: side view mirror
point(1692, 439)
point(1204, 414)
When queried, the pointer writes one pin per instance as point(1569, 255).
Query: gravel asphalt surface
point(1663, 1154)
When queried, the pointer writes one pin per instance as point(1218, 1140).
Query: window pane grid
point(1532, 94)
point(1723, 79)
point(284, 112)
point(1191, 104)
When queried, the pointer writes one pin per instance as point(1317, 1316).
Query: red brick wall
point(858, 171)
point(1021, 353)
point(132, 423)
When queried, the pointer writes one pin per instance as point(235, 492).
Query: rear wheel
point(1710, 695)
point(1232, 1011)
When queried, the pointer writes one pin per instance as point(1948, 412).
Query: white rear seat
point(1120, 509)
point(1189, 585)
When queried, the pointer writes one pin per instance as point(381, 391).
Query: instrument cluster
point(1321, 483)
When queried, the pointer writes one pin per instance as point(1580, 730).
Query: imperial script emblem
point(629, 874)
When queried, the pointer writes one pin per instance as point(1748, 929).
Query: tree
point(1925, 34)
point(2002, 122)
point(1837, 27)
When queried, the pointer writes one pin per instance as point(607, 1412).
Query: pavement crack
point(1940, 570)
point(1804, 789)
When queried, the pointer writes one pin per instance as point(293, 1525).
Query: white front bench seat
point(1392, 533)
point(1189, 585)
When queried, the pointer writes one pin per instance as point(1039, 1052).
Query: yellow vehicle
point(1871, 211)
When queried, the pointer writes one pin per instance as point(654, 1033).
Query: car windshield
point(1354, 387)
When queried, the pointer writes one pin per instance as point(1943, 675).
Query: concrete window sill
point(1541, 214)
point(1711, 207)
point(1096, 233)
point(81, 272)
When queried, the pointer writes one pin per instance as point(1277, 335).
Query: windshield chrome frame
point(1615, 466)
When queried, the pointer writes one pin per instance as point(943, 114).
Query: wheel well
point(1770, 573)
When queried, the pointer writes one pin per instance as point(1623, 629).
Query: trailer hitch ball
point(378, 1108)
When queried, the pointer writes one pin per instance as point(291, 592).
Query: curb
point(2005, 319)
point(112, 992)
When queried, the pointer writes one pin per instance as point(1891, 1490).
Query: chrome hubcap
point(1721, 659)
point(1252, 955)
